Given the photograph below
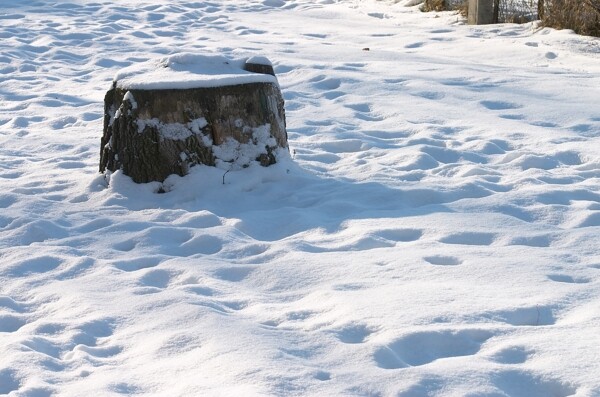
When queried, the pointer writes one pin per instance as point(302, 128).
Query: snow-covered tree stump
point(161, 118)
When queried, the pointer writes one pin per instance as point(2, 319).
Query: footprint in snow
point(350, 66)
point(328, 84)
point(322, 375)
point(353, 333)
point(178, 344)
point(40, 264)
point(440, 31)
point(11, 322)
point(234, 274)
point(315, 35)
point(9, 382)
point(200, 290)
point(44, 346)
point(500, 105)
point(202, 220)
point(512, 116)
point(202, 244)
point(125, 246)
point(349, 287)
point(541, 241)
point(563, 278)
point(69, 165)
point(590, 220)
point(418, 44)
point(245, 251)
point(511, 355)
point(299, 315)
point(125, 388)
point(442, 260)
point(544, 124)
point(235, 305)
point(132, 265)
point(532, 316)
point(50, 329)
point(378, 15)
point(157, 278)
point(84, 351)
point(528, 383)
point(469, 238)
point(62, 122)
point(421, 348)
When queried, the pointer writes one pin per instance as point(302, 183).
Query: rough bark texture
point(259, 68)
point(151, 134)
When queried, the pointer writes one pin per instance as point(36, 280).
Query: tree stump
point(161, 118)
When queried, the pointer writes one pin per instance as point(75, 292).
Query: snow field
point(432, 233)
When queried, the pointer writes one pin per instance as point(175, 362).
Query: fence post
point(481, 12)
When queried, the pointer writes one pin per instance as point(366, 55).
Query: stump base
point(153, 133)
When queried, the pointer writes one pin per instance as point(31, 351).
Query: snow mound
point(186, 70)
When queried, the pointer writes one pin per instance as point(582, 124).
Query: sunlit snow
point(433, 231)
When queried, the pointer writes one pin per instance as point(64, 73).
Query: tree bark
point(151, 134)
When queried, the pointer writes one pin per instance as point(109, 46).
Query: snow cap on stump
point(162, 117)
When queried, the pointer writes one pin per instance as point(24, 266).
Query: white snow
point(176, 131)
point(233, 155)
point(433, 233)
point(259, 60)
point(183, 71)
point(129, 97)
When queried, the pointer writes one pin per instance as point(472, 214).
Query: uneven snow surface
point(183, 71)
point(435, 231)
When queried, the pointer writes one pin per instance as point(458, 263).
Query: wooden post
point(481, 12)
